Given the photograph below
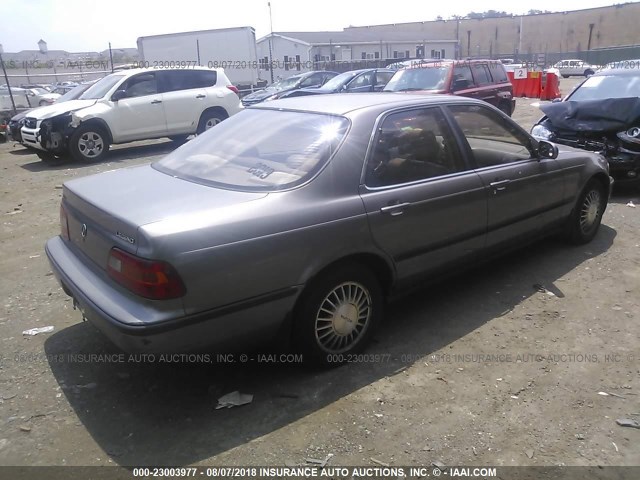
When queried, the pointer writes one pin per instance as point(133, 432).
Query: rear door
point(487, 89)
point(426, 207)
point(185, 97)
point(524, 193)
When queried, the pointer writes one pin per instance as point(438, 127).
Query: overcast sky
point(89, 25)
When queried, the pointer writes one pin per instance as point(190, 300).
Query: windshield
point(284, 84)
point(39, 91)
point(601, 87)
point(101, 87)
point(74, 93)
point(339, 80)
point(429, 78)
point(258, 150)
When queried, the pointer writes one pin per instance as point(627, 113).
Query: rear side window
point(481, 74)
point(382, 78)
point(188, 79)
point(413, 145)
point(498, 73)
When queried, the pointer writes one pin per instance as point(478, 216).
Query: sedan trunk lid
point(126, 199)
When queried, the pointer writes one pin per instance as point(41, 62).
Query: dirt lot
point(483, 369)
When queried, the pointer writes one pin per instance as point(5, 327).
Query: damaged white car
point(133, 105)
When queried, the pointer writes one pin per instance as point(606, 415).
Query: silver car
point(299, 217)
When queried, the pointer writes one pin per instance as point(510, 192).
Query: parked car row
point(483, 79)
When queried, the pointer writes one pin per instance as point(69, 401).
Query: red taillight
point(148, 278)
point(64, 223)
point(234, 89)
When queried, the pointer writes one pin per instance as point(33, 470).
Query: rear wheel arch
point(218, 111)
point(380, 267)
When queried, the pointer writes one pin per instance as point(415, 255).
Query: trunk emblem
point(126, 238)
point(84, 230)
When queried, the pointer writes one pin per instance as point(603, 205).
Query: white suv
point(580, 68)
point(132, 105)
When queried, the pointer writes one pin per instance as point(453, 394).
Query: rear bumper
point(138, 327)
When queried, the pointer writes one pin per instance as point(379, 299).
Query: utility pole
point(6, 79)
point(111, 57)
point(270, 42)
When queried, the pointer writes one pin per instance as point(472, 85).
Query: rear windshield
point(258, 150)
point(423, 78)
point(600, 87)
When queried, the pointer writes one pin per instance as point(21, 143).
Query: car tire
point(353, 294)
point(586, 216)
point(588, 72)
point(42, 103)
point(89, 143)
point(179, 139)
point(565, 76)
point(210, 119)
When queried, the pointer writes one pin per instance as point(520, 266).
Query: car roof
point(621, 72)
point(133, 71)
point(343, 103)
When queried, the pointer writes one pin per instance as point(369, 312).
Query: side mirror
point(117, 95)
point(547, 150)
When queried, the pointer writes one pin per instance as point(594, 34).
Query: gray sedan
point(299, 217)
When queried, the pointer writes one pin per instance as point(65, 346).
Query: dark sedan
point(602, 115)
point(304, 80)
point(296, 219)
point(355, 81)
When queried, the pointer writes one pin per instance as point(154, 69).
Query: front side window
point(412, 145)
point(462, 77)
point(258, 150)
point(493, 141)
point(364, 80)
point(141, 85)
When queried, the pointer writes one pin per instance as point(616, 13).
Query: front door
point(524, 192)
point(140, 114)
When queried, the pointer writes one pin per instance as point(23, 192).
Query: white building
point(293, 52)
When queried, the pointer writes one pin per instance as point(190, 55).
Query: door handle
point(499, 186)
point(396, 209)
point(201, 96)
point(156, 101)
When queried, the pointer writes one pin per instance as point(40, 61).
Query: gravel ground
point(486, 368)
